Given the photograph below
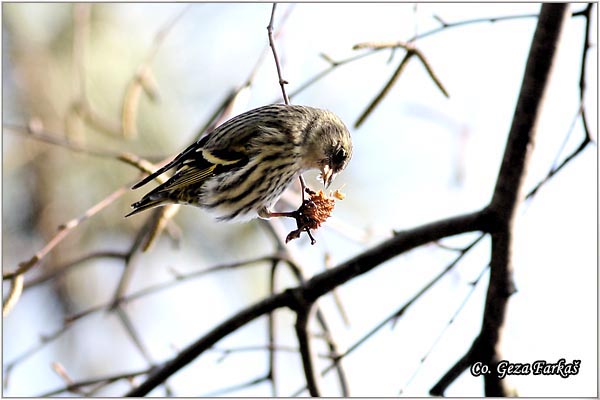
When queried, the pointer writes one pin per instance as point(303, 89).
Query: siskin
point(241, 168)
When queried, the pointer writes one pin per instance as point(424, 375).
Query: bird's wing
point(194, 167)
point(176, 162)
point(212, 150)
point(202, 164)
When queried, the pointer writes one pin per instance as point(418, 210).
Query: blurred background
point(418, 157)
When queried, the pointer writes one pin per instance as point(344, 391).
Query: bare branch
point(282, 82)
point(448, 25)
point(271, 331)
point(495, 219)
point(286, 253)
point(272, 38)
point(188, 354)
point(450, 322)
point(411, 50)
point(63, 231)
point(129, 264)
point(587, 13)
point(36, 131)
point(63, 268)
point(16, 288)
point(556, 168)
point(333, 65)
point(44, 339)
point(316, 287)
point(73, 387)
point(60, 370)
point(239, 386)
point(507, 196)
point(581, 113)
point(398, 313)
point(384, 91)
point(305, 350)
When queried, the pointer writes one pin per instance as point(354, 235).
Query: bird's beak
point(327, 176)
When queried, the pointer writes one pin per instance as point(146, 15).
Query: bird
point(239, 170)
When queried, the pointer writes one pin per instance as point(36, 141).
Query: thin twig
point(581, 113)
point(275, 229)
point(473, 286)
point(58, 270)
point(227, 352)
point(35, 131)
point(178, 279)
point(63, 232)
point(239, 386)
point(383, 91)
point(448, 25)
point(43, 341)
point(60, 370)
point(305, 350)
point(587, 45)
point(411, 50)
point(133, 335)
point(90, 382)
point(16, 288)
point(333, 353)
point(332, 66)
point(556, 168)
point(275, 35)
point(127, 272)
point(282, 82)
point(271, 330)
point(161, 218)
point(335, 64)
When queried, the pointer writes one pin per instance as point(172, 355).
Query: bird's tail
point(147, 202)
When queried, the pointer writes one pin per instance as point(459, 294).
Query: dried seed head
point(338, 195)
point(313, 212)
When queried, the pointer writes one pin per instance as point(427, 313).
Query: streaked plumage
point(242, 167)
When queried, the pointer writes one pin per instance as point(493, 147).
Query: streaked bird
point(240, 169)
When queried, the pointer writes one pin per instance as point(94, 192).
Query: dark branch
point(190, 353)
point(507, 197)
point(305, 351)
point(318, 286)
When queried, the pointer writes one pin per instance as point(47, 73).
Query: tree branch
point(282, 82)
point(507, 197)
point(317, 286)
point(411, 51)
point(305, 351)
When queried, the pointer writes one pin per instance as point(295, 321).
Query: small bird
point(240, 169)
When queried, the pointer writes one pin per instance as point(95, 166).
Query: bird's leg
point(266, 214)
point(312, 239)
point(302, 186)
point(304, 215)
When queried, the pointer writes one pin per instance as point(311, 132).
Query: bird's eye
point(339, 157)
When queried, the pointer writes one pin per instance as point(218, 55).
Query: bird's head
point(329, 146)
